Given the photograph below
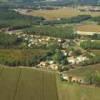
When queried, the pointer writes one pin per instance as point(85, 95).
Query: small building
point(77, 80)
point(65, 77)
point(80, 59)
point(72, 79)
point(71, 60)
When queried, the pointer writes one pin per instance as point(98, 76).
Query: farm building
point(77, 60)
point(73, 79)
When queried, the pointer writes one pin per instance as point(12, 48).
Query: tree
point(90, 77)
point(57, 57)
point(93, 77)
point(97, 78)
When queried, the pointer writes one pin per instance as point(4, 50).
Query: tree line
point(54, 31)
point(9, 41)
point(90, 44)
point(14, 20)
point(76, 19)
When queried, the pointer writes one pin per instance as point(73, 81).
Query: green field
point(21, 57)
point(78, 92)
point(82, 71)
point(31, 84)
point(27, 84)
point(74, 91)
point(96, 52)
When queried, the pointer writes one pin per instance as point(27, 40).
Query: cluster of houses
point(77, 60)
point(48, 65)
point(73, 79)
point(37, 40)
point(33, 40)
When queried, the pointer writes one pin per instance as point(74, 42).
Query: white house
point(71, 60)
point(81, 59)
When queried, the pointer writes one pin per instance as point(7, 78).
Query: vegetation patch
point(18, 57)
point(54, 31)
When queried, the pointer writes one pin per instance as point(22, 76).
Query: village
point(65, 54)
point(74, 56)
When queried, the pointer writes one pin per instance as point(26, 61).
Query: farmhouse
point(48, 64)
point(73, 79)
point(71, 60)
point(65, 77)
point(77, 60)
point(77, 80)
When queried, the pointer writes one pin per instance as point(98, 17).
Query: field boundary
point(1, 71)
point(17, 83)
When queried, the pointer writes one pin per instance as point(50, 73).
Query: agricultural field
point(55, 31)
point(27, 84)
point(83, 71)
point(61, 13)
point(96, 52)
point(88, 28)
point(16, 57)
point(69, 91)
point(33, 84)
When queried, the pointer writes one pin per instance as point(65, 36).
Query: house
point(51, 62)
point(77, 60)
point(71, 60)
point(53, 67)
point(73, 79)
point(64, 52)
point(65, 77)
point(42, 64)
point(48, 65)
point(80, 59)
point(77, 79)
